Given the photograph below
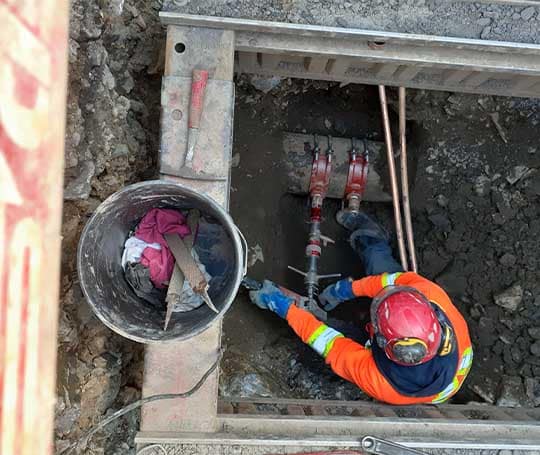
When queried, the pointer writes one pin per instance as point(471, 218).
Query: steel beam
point(176, 367)
point(363, 56)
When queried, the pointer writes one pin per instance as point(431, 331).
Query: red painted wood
point(33, 75)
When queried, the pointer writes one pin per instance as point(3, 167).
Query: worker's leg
point(371, 241)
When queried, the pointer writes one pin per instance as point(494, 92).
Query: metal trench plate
point(288, 425)
point(371, 57)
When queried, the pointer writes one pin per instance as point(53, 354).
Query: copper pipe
point(393, 178)
point(405, 181)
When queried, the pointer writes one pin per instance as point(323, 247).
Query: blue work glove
point(336, 293)
point(270, 297)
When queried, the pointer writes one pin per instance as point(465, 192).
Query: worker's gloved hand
point(336, 293)
point(270, 297)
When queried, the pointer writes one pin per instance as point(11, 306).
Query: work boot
point(362, 225)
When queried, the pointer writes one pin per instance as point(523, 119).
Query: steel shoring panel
point(467, 65)
point(321, 442)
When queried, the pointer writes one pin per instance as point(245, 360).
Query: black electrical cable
point(137, 404)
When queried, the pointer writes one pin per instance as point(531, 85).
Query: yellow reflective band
point(330, 345)
point(389, 279)
point(457, 381)
point(323, 339)
point(316, 334)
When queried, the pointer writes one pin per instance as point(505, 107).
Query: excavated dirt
point(475, 193)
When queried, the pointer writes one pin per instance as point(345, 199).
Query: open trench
point(475, 214)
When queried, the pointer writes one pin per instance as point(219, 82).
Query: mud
point(475, 190)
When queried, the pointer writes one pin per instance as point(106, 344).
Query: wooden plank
point(315, 410)
point(384, 70)
point(225, 407)
point(452, 413)
point(316, 64)
point(433, 83)
point(295, 410)
point(270, 61)
point(33, 79)
point(338, 66)
point(384, 411)
point(432, 412)
point(406, 73)
point(290, 63)
point(246, 408)
point(247, 61)
point(524, 83)
point(476, 79)
point(473, 58)
point(455, 77)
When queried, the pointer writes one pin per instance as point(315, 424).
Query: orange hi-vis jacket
point(357, 363)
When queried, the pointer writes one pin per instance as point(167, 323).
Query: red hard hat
point(405, 325)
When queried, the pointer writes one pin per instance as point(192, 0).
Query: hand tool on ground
point(376, 446)
point(302, 302)
point(198, 89)
point(190, 268)
point(251, 284)
point(320, 178)
point(177, 279)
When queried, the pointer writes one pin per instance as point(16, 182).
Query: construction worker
point(418, 348)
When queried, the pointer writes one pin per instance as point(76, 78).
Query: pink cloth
point(151, 229)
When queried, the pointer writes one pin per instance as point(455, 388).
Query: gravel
point(111, 140)
point(434, 17)
point(510, 298)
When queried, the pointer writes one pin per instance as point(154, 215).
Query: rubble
point(512, 392)
point(532, 389)
point(534, 332)
point(528, 13)
point(80, 186)
point(510, 298)
point(535, 348)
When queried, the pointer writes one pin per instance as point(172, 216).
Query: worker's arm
point(348, 359)
point(346, 289)
point(370, 286)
